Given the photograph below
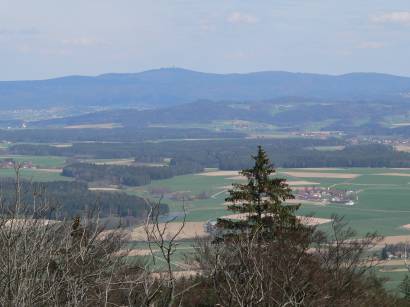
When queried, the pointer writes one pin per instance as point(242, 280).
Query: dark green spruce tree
point(260, 201)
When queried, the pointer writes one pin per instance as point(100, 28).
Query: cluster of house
point(393, 141)
point(329, 195)
point(395, 251)
point(10, 163)
point(318, 134)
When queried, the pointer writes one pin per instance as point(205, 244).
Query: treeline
point(74, 198)
point(129, 175)
point(235, 154)
point(61, 135)
point(208, 152)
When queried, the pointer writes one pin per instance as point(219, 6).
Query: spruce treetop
point(261, 198)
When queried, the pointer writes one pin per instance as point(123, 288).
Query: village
point(9, 163)
point(327, 195)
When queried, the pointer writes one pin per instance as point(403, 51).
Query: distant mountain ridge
point(173, 86)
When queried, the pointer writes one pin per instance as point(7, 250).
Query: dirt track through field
point(321, 175)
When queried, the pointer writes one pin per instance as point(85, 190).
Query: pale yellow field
point(321, 175)
point(117, 162)
point(191, 230)
point(394, 174)
point(319, 169)
point(301, 182)
point(239, 177)
point(104, 189)
point(394, 240)
point(310, 221)
point(48, 170)
point(61, 145)
point(405, 148)
point(220, 173)
point(94, 126)
point(30, 222)
point(401, 124)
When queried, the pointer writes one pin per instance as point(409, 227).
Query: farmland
point(382, 205)
point(383, 195)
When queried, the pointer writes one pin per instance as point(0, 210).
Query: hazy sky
point(47, 38)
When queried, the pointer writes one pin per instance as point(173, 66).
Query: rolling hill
point(173, 86)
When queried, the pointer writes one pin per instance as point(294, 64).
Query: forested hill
point(170, 86)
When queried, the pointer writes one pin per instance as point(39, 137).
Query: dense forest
point(129, 175)
point(61, 135)
point(234, 154)
point(70, 199)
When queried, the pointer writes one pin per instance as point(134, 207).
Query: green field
point(39, 161)
point(45, 168)
point(383, 205)
point(34, 175)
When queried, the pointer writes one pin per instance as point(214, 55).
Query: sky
point(48, 38)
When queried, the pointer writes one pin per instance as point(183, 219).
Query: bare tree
point(304, 268)
point(161, 238)
point(50, 262)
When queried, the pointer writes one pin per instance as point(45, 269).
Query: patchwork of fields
point(383, 204)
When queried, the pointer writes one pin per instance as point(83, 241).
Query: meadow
point(383, 204)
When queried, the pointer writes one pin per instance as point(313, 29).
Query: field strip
point(148, 252)
point(394, 270)
point(394, 240)
point(318, 169)
point(104, 189)
point(367, 184)
point(191, 230)
point(321, 175)
point(392, 262)
point(116, 162)
point(218, 193)
point(370, 210)
point(394, 174)
point(301, 182)
point(178, 264)
point(94, 126)
point(401, 124)
point(48, 170)
point(306, 220)
point(220, 173)
point(306, 202)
